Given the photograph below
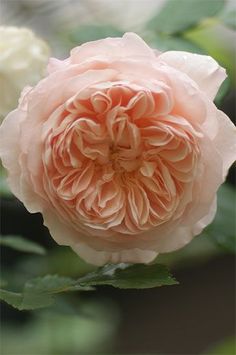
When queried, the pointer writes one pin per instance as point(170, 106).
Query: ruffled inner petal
point(118, 160)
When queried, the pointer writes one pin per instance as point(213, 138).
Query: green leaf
point(228, 17)
point(12, 298)
point(216, 44)
point(178, 16)
point(223, 229)
point(88, 33)
point(21, 244)
point(129, 276)
point(224, 89)
point(166, 43)
point(39, 292)
point(4, 188)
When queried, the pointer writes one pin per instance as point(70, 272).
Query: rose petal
point(99, 257)
point(129, 45)
point(204, 70)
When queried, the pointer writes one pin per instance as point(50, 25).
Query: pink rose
point(121, 149)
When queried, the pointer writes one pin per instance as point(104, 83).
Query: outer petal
point(129, 45)
point(100, 258)
point(10, 149)
point(14, 160)
point(204, 70)
point(182, 235)
point(101, 251)
point(200, 225)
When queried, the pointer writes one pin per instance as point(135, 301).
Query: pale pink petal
point(182, 235)
point(101, 257)
point(204, 70)
point(129, 45)
point(177, 239)
point(207, 219)
point(55, 64)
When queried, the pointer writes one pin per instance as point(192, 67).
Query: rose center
point(121, 162)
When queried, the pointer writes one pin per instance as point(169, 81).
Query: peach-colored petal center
point(116, 162)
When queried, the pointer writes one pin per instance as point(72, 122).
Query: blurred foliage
point(211, 37)
point(228, 18)
point(226, 347)
point(4, 188)
point(22, 244)
point(196, 26)
point(85, 33)
point(165, 42)
point(223, 229)
point(184, 14)
point(64, 330)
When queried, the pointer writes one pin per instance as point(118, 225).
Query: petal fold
point(204, 70)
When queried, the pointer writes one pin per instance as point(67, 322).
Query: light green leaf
point(167, 43)
point(12, 298)
point(129, 276)
point(223, 229)
point(228, 17)
point(217, 43)
point(87, 33)
point(39, 292)
point(177, 16)
point(21, 244)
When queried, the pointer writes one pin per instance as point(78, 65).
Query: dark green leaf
point(39, 292)
point(4, 188)
point(22, 244)
point(223, 229)
point(129, 276)
point(224, 89)
point(228, 18)
point(178, 16)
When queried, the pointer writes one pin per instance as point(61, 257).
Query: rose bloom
point(121, 148)
point(23, 60)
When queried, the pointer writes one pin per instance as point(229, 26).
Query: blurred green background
point(195, 317)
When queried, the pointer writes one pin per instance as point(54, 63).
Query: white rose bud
point(23, 60)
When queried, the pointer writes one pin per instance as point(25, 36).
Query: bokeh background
point(198, 315)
